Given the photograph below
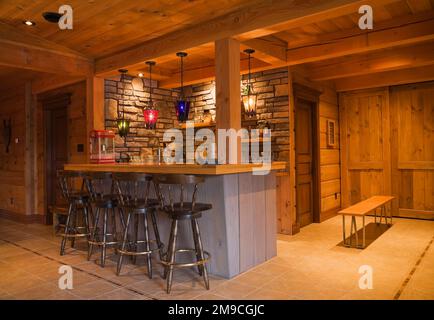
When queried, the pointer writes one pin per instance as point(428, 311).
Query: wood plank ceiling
point(328, 49)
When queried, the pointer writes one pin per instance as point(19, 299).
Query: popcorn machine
point(102, 146)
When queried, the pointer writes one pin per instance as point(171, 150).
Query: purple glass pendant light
point(150, 113)
point(182, 106)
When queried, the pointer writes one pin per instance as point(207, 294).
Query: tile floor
point(310, 265)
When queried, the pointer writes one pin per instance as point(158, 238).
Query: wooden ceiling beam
point(387, 60)
point(207, 73)
point(267, 49)
point(244, 24)
point(24, 51)
point(49, 82)
point(369, 41)
point(389, 78)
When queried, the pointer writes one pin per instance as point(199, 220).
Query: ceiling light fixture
point(52, 17)
point(182, 106)
point(29, 23)
point(150, 112)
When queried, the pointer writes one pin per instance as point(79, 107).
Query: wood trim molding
point(415, 165)
point(302, 92)
point(415, 214)
point(22, 218)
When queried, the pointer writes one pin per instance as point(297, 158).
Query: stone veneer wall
point(131, 97)
point(272, 106)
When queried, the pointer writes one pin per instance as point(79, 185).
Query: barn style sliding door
point(365, 145)
point(412, 122)
point(388, 147)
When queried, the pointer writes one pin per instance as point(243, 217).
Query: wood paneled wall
point(329, 156)
point(389, 147)
point(12, 166)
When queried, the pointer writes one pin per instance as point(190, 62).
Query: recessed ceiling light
point(29, 23)
point(140, 75)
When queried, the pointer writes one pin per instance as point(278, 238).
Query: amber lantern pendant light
point(122, 123)
point(182, 106)
point(249, 97)
point(150, 113)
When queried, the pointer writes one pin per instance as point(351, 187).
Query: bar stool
point(133, 191)
point(72, 187)
point(182, 211)
point(101, 194)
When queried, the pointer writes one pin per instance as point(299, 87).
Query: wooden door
point(56, 138)
point(412, 125)
point(304, 161)
point(365, 145)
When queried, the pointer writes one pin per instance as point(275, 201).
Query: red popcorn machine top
point(102, 146)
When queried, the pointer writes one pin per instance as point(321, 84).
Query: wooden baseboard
point(415, 214)
point(22, 218)
point(329, 214)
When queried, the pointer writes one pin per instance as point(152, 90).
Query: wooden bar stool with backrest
point(104, 199)
point(73, 191)
point(133, 191)
point(168, 185)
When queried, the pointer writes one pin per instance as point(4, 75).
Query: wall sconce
point(7, 133)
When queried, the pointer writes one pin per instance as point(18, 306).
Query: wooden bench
point(362, 209)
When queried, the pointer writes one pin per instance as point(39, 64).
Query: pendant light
point(249, 97)
point(182, 106)
point(122, 123)
point(150, 113)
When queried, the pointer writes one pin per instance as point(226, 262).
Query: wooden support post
point(30, 150)
point(94, 106)
point(228, 87)
point(292, 169)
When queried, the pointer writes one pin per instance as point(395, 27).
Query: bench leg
point(343, 229)
point(391, 214)
point(364, 233)
point(355, 231)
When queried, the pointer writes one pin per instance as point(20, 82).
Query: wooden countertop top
point(173, 168)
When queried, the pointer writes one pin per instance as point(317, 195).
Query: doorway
point(307, 155)
point(56, 146)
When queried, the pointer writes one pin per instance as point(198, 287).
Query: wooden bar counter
point(240, 230)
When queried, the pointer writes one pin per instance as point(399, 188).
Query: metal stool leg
point(124, 243)
point(171, 253)
point(148, 247)
point(104, 238)
point(74, 226)
point(201, 255)
point(136, 237)
point(168, 252)
point(196, 246)
point(68, 221)
point(157, 234)
point(94, 233)
point(86, 223)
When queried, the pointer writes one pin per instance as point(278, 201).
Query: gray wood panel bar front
point(239, 231)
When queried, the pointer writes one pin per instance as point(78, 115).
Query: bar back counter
point(239, 231)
